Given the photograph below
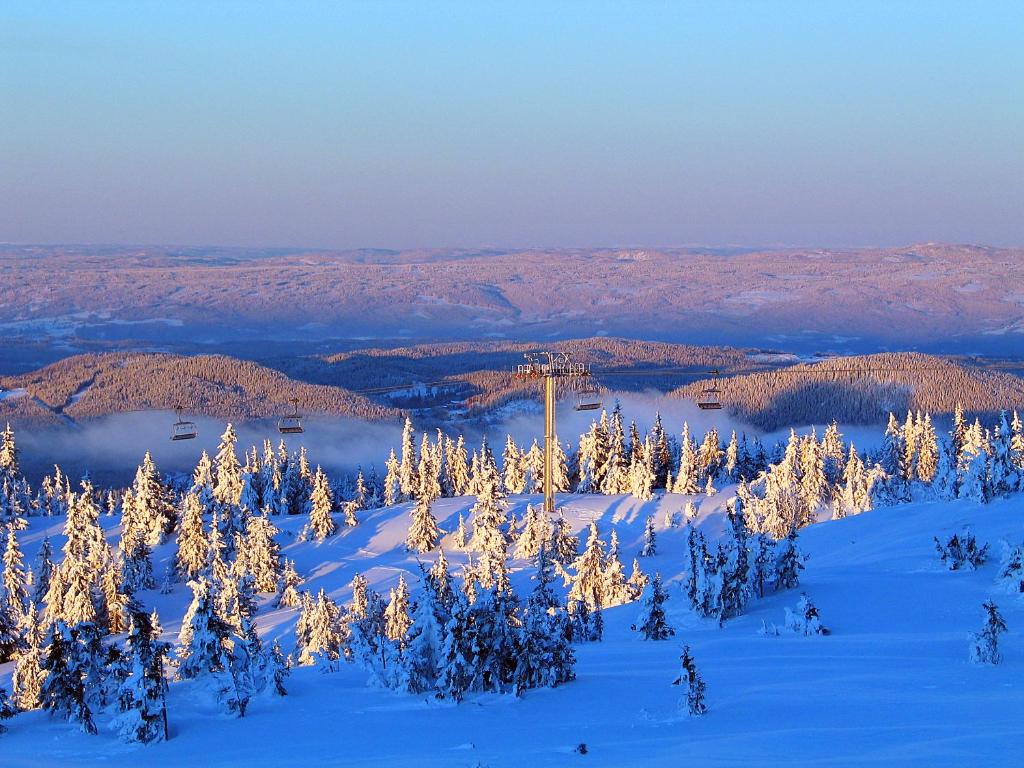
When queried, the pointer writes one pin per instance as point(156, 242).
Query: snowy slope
point(890, 686)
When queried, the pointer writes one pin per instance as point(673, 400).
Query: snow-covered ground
point(891, 685)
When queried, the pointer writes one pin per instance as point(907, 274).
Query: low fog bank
point(111, 448)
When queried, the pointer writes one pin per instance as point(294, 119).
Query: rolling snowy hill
point(891, 685)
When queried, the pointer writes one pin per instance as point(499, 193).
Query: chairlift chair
point(588, 400)
point(707, 399)
point(182, 429)
point(292, 423)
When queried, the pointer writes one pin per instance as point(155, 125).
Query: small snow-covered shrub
point(805, 619)
point(961, 551)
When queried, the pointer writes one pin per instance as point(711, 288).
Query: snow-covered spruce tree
point(141, 704)
point(116, 599)
point(652, 622)
point(544, 656)
point(288, 589)
point(588, 583)
point(457, 658)
point(262, 553)
point(536, 533)
point(70, 676)
point(688, 476)
point(805, 619)
point(562, 545)
point(650, 545)
point(7, 709)
point(396, 615)
point(10, 631)
point(136, 560)
point(152, 511)
point(43, 570)
point(735, 572)
point(191, 556)
point(985, 644)
point(456, 466)
point(1011, 569)
point(638, 581)
point(325, 636)
point(615, 471)
point(420, 660)
point(360, 598)
point(321, 524)
point(789, 561)
point(392, 483)
point(428, 473)
point(762, 565)
point(29, 675)
point(15, 587)
point(227, 471)
point(513, 470)
point(407, 476)
point(489, 511)
point(204, 636)
point(424, 534)
point(616, 590)
point(961, 552)
point(693, 684)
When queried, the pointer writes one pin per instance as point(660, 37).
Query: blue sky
point(521, 124)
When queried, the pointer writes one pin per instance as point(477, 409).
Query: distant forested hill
point(863, 389)
point(88, 386)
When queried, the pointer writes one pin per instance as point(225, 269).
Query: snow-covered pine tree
point(616, 590)
point(192, 550)
point(687, 477)
point(392, 481)
point(544, 656)
point(489, 511)
point(326, 635)
point(461, 537)
point(136, 560)
point(360, 598)
point(152, 510)
point(588, 583)
point(762, 565)
point(70, 681)
point(407, 477)
point(321, 523)
point(789, 561)
point(424, 533)
point(288, 589)
point(536, 533)
point(29, 675)
point(396, 615)
point(428, 474)
point(735, 572)
point(420, 659)
point(456, 466)
point(227, 471)
point(43, 570)
point(262, 553)
point(204, 636)
point(141, 704)
point(13, 581)
point(984, 647)
point(638, 581)
point(563, 546)
point(650, 545)
point(513, 470)
point(652, 622)
point(693, 683)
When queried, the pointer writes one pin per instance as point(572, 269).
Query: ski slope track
point(890, 686)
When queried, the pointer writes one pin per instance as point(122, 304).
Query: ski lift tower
point(550, 366)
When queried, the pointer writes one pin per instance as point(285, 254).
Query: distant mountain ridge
point(933, 297)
